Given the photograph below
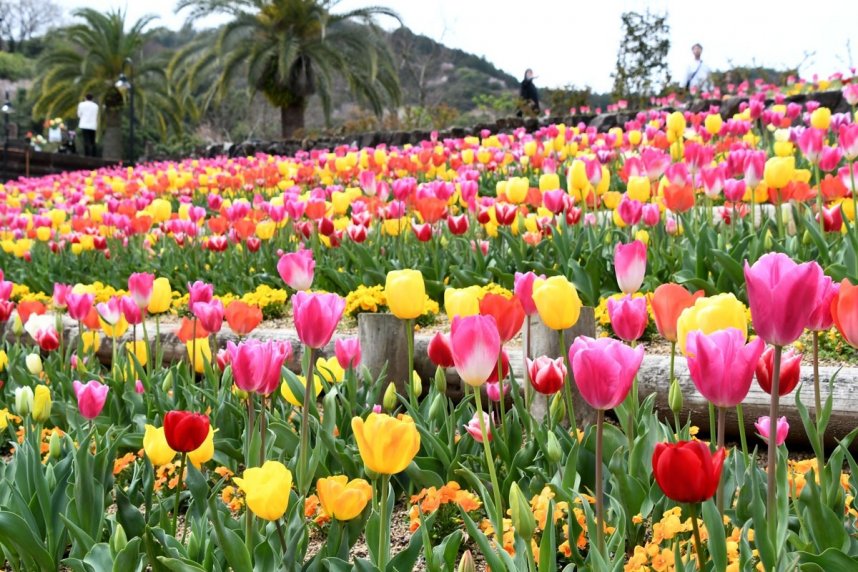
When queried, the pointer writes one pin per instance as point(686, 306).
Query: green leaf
point(829, 560)
point(717, 539)
point(232, 545)
point(129, 558)
point(15, 534)
point(177, 565)
point(548, 544)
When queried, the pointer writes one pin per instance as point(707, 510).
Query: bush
point(15, 66)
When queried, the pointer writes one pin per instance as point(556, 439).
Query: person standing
point(87, 111)
point(697, 74)
point(529, 94)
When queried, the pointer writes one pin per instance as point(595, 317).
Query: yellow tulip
point(710, 315)
point(162, 296)
point(577, 176)
point(91, 340)
point(117, 329)
point(516, 189)
point(205, 452)
point(387, 445)
point(155, 446)
point(394, 226)
point(266, 489)
point(549, 182)
point(611, 199)
point(405, 293)
point(779, 172)
point(557, 302)
point(265, 230)
point(713, 123)
point(161, 210)
point(139, 349)
point(635, 137)
point(821, 118)
point(4, 360)
point(343, 499)
point(287, 394)
point(330, 370)
point(639, 188)
point(199, 353)
point(676, 123)
point(462, 302)
point(41, 404)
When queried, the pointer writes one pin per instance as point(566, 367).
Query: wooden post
point(545, 341)
point(383, 343)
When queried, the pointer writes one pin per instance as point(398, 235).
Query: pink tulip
point(849, 176)
point(763, 426)
point(821, 318)
point(546, 375)
point(811, 142)
point(604, 369)
point(61, 293)
point(493, 390)
point(473, 427)
point(316, 317)
point(722, 365)
point(849, 141)
point(347, 351)
point(90, 397)
point(651, 214)
point(555, 200)
point(781, 295)
point(476, 345)
point(524, 290)
point(630, 265)
point(210, 315)
point(131, 311)
point(713, 180)
point(256, 365)
point(140, 286)
point(138, 387)
point(630, 211)
point(110, 311)
point(199, 292)
point(296, 269)
point(677, 174)
point(79, 305)
point(755, 164)
point(830, 158)
point(628, 317)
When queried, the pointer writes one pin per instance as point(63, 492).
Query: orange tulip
point(844, 310)
point(186, 330)
point(29, 307)
point(678, 198)
point(668, 302)
point(218, 224)
point(242, 317)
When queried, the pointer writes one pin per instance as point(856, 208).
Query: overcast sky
point(575, 43)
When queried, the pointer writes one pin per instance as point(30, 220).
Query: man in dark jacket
point(529, 94)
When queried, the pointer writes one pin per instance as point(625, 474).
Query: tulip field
point(728, 244)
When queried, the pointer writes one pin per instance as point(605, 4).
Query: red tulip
point(423, 232)
point(493, 376)
point(458, 225)
point(6, 309)
point(440, 352)
point(26, 308)
point(790, 372)
point(686, 471)
point(190, 328)
point(185, 431)
point(507, 312)
point(546, 375)
point(844, 311)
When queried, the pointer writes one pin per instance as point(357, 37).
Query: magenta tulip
point(630, 265)
point(628, 317)
point(256, 365)
point(140, 286)
point(821, 318)
point(763, 426)
point(79, 305)
point(476, 345)
point(604, 369)
point(199, 292)
point(347, 351)
point(524, 290)
point(210, 315)
point(90, 397)
point(316, 317)
point(61, 292)
point(296, 269)
point(722, 365)
point(131, 311)
point(782, 296)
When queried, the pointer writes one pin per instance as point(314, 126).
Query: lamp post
point(7, 111)
point(124, 84)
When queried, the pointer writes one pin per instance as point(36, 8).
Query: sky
point(570, 42)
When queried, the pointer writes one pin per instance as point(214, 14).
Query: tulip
point(386, 444)
point(507, 312)
point(462, 302)
point(710, 314)
point(341, 498)
point(297, 269)
point(199, 292)
point(111, 311)
point(630, 265)
point(458, 225)
point(348, 352)
point(546, 375)
point(79, 305)
point(61, 292)
point(604, 369)
point(678, 198)
point(131, 311)
point(242, 317)
point(185, 431)
point(493, 387)
point(42, 404)
point(476, 345)
point(23, 400)
point(557, 302)
point(440, 351)
point(329, 370)
point(722, 365)
point(405, 293)
point(779, 171)
point(628, 316)
point(734, 190)
point(524, 291)
point(91, 397)
point(162, 296)
point(630, 211)
point(34, 363)
point(686, 471)
point(256, 365)
point(316, 317)
point(763, 425)
point(140, 286)
point(205, 452)
point(210, 314)
point(266, 489)
point(849, 141)
point(199, 353)
point(790, 371)
point(287, 394)
point(775, 286)
point(473, 427)
point(521, 513)
point(668, 302)
point(155, 446)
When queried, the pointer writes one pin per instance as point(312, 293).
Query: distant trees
point(21, 20)
point(642, 70)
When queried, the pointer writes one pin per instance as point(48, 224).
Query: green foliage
point(642, 70)
point(15, 66)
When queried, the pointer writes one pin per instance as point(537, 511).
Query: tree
point(290, 50)
point(642, 70)
point(88, 58)
point(20, 20)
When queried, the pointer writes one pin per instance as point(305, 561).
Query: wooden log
point(384, 348)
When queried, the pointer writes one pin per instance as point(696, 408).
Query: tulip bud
point(34, 363)
point(50, 478)
point(118, 540)
point(768, 241)
point(674, 397)
point(557, 407)
point(167, 384)
point(416, 385)
point(23, 401)
point(55, 446)
point(17, 326)
point(389, 401)
point(806, 239)
point(467, 564)
point(440, 380)
point(42, 404)
point(437, 410)
point(522, 516)
point(552, 449)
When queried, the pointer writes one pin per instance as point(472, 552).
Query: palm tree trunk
point(292, 118)
point(111, 139)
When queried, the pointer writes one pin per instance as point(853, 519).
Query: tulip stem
point(501, 404)
point(248, 516)
point(719, 495)
point(713, 427)
point(303, 465)
point(528, 389)
point(854, 196)
point(567, 390)
point(262, 431)
point(819, 199)
point(148, 363)
point(698, 545)
point(740, 415)
point(771, 493)
point(179, 493)
point(816, 390)
point(409, 338)
point(384, 524)
point(194, 348)
point(282, 537)
point(600, 494)
point(498, 524)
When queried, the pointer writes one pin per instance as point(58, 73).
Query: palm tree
point(89, 57)
point(290, 50)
